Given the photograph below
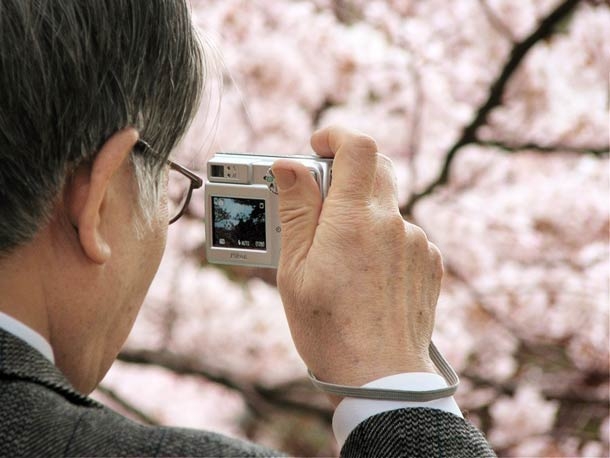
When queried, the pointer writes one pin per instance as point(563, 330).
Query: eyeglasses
point(180, 186)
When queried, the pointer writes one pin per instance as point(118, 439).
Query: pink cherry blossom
point(524, 311)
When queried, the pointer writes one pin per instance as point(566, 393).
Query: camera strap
point(440, 363)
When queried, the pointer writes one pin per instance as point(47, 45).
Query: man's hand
point(358, 283)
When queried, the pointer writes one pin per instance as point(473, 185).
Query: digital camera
point(242, 207)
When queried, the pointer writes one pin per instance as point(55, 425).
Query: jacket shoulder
point(37, 421)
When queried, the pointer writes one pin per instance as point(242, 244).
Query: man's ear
point(87, 191)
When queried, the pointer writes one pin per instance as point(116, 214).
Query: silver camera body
point(242, 207)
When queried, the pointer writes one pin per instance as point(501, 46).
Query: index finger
point(355, 162)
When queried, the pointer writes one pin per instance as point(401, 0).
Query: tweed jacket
point(42, 415)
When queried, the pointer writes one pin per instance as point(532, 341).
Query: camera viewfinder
point(218, 171)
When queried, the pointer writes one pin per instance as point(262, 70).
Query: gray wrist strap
point(398, 395)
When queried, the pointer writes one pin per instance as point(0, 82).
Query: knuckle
point(436, 259)
point(385, 160)
point(363, 142)
point(395, 227)
point(417, 237)
point(385, 167)
point(385, 176)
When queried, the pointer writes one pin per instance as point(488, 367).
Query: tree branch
point(258, 398)
point(513, 148)
point(496, 90)
point(326, 104)
point(573, 395)
point(509, 389)
point(346, 11)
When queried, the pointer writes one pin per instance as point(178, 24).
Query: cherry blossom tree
point(495, 114)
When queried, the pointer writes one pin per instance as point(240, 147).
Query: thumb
point(300, 204)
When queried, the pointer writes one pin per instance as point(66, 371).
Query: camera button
point(270, 180)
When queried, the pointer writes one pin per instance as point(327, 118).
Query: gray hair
point(72, 73)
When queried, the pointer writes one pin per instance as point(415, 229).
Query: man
point(93, 97)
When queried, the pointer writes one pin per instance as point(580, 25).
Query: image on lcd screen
point(238, 223)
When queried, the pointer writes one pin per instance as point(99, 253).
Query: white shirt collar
point(27, 334)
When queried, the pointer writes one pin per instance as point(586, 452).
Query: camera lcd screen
point(238, 223)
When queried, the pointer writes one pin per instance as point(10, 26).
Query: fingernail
point(285, 178)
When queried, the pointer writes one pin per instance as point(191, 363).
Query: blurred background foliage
point(495, 114)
